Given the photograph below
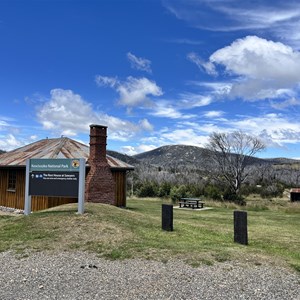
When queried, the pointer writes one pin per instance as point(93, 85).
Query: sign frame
point(58, 165)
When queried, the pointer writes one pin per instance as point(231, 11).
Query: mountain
point(182, 164)
point(282, 161)
point(174, 155)
point(1, 151)
point(194, 157)
point(124, 157)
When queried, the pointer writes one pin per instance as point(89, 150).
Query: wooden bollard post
point(240, 227)
point(167, 217)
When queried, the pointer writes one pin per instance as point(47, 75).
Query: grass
point(199, 237)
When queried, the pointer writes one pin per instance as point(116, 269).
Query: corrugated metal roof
point(55, 148)
point(295, 190)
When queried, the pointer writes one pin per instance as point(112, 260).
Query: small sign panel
point(64, 184)
point(54, 177)
point(59, 177)
point(59, 164)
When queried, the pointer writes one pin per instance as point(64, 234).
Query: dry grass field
point(199, 237)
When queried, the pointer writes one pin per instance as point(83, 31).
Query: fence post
point(240, 227)
point(167, 217)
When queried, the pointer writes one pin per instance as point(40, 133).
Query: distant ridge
point(124, 157)
point(282, 160)
point(193, 156)
point(172, 155)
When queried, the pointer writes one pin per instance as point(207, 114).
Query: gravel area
point(11, 211)
point(82, 275)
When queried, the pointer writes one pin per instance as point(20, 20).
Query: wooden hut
point(13, 167)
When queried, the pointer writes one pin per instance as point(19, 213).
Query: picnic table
point(191, 203)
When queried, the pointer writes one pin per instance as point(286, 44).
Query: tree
point(231, 153)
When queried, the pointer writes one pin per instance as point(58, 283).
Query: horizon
point(170, 145)
point(155, 72)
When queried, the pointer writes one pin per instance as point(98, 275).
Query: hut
point(295, 194)
point(105, 175)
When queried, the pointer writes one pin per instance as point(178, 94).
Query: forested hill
point(124, 157)
point(184, 155)
point(182, 165)
point(1, 151)
point(174, 155)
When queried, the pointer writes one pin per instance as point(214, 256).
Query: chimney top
point(98, 126)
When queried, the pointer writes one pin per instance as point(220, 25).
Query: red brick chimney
point(99, 184)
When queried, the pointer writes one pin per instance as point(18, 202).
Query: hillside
point(188, 156)
point(124, 157)
point(174, 155)
point(196, 156)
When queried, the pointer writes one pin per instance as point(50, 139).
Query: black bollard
point(240, 227)
point(167, 217)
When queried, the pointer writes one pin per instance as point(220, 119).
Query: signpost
point(55, 177)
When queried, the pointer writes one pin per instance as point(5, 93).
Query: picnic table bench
point(191, 203)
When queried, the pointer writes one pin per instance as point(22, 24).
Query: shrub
point(148, 189)
point(248, 189)
point(179, 192)
point(233, 197)
point(212, 192)
point(164, 189)
point(273, 190)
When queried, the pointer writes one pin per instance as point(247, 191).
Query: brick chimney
point(99, 184)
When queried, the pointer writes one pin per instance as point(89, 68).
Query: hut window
point(12, 176)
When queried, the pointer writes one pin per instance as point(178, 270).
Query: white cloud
point(132, 150)
point(9, 142)
point(174, 109)
point(275, 129)
point(278, 18)
point(185, 41)
point(106, 81)
point(286, 104)
point(184, 133)
point(68, 113)
point(214, 88)
point(146, 125)
point(133, 91)
point(33, 137)
point(139, 63)
point(201, 64)
point(12, 135)
point(186, 136)
point(259, 58)
point(262, 69)
point(3, 124)
point(166, 109)
point(214, 114)
point(129, 150)
point(191, 100)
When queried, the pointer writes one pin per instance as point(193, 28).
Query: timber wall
point(120, 187)
point(15, 199)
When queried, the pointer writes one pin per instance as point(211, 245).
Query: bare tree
point(232, 152)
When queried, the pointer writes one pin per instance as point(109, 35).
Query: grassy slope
point(198, 237)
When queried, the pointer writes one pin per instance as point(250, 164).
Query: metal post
point(27, 204)
point(167, 217)
point(240, 227)
point(81, 187)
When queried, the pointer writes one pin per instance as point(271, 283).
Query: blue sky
point(155, 72)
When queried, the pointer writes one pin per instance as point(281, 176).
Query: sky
point(156, 72)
